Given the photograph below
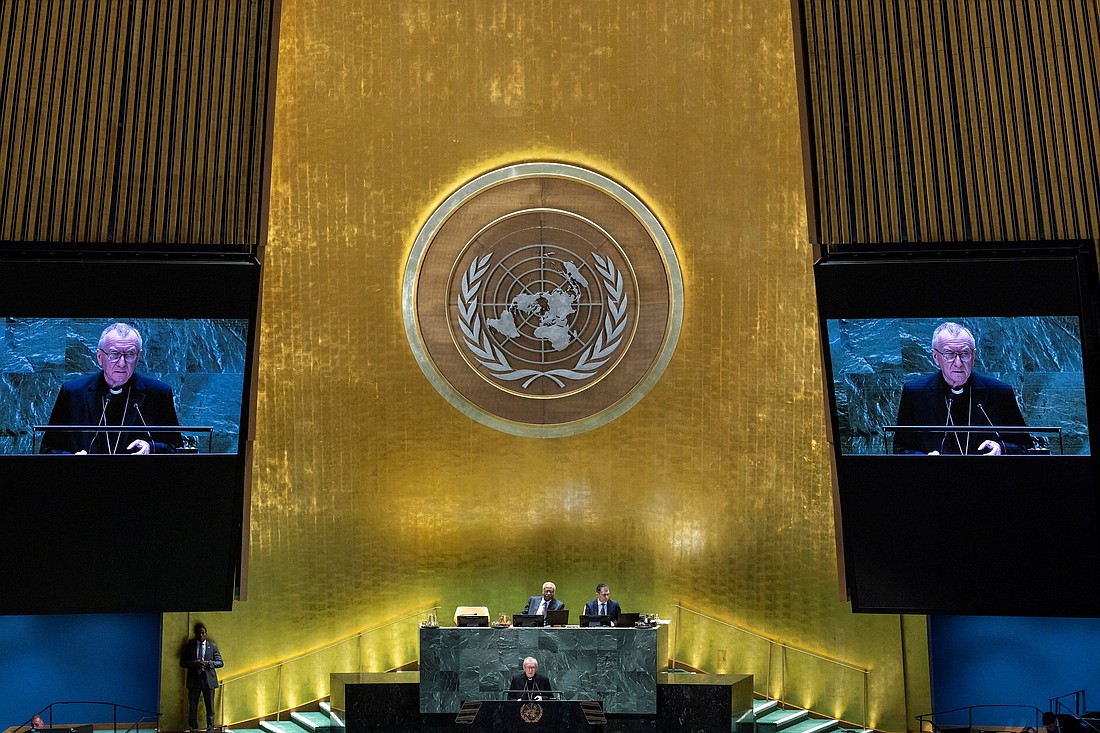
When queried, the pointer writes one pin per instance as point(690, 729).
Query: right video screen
point(1013, 385)
point(959, 397)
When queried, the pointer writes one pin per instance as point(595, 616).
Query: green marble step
point(325, 707)
point(313, 721)
point(760, 708)
point(281, 726)
point(812, 725)
point(778, 720)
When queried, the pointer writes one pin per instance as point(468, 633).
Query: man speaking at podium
point(956, 395)
point(115, 397)
point(527, 686)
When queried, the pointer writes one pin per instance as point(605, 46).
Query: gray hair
point(120, 330)
point(953, 330)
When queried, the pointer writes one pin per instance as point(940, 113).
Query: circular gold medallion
point(530, 712)
point(542, 299)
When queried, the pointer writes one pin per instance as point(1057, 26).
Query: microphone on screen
point(142, 418)
point(999, 439)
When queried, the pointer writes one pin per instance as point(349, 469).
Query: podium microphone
point(950, 401)
point(1004, 448)
point(102, 421)
point(152, 443)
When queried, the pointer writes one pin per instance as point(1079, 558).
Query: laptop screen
point(557, 618)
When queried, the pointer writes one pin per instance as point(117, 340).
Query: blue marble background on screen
point(202, 360)
point(1039, 356)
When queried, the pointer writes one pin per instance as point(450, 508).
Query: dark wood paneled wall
point(135, 122)
point(931, 121)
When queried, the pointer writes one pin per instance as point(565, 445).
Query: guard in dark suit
point(527, 686)
point(603, 605)
point(958, 396)
point(114, 398)
point(546, 602)
point(202, 659)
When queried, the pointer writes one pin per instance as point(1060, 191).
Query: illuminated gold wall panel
point(374, 498)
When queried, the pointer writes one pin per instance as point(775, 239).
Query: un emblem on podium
point(542, 299)
point(530, 712)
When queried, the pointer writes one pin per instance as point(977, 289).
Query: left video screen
point(83, 385)
point(125, 433)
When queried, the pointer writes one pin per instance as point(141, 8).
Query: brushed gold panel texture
point(374, 498)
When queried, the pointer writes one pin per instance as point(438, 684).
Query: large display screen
point(960, 391)
point(201, 361)
point(1039, 358)
point(124, 448)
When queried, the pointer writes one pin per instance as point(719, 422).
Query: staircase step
point(778, 720)
point(760, 708)
point(313, 721)
point(325, 707)
point(812, 725)
point(281, 726)
point(243, 730)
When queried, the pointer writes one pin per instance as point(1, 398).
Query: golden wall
point(374, 498)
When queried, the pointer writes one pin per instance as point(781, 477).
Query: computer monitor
point(627, 619)
point(521, 620)
point(557, 618)
point(590, 620)
point(472, 620)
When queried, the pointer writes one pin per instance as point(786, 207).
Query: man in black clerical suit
point(116, 396)
point(546, 602)
point(603, 605)
point(526, 686)
point(956, 395)
point(201, 657)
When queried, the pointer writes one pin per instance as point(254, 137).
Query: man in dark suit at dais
point(602, 605)
point(546, 602)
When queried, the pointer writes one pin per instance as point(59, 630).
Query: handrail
point(279, 665)
point(928, 717)
point(326, 647)
point(115, 707)
point(777, 642)
point(1078, 702)
point(783, 648)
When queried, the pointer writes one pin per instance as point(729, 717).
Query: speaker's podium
point(530, 715)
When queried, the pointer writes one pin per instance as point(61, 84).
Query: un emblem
point(542, 299)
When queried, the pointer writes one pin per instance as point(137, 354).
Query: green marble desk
point(617, 666)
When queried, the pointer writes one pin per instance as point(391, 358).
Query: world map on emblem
point(541, 312)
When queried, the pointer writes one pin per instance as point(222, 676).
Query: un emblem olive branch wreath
point(493, 358)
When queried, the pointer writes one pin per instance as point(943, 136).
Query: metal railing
point(304, 677)
point(84, 718)
point(997, 717)
point(780, 671)
point(1057, 706)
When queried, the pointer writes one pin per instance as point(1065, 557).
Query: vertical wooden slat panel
point(947, 121)
point(136, 123)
